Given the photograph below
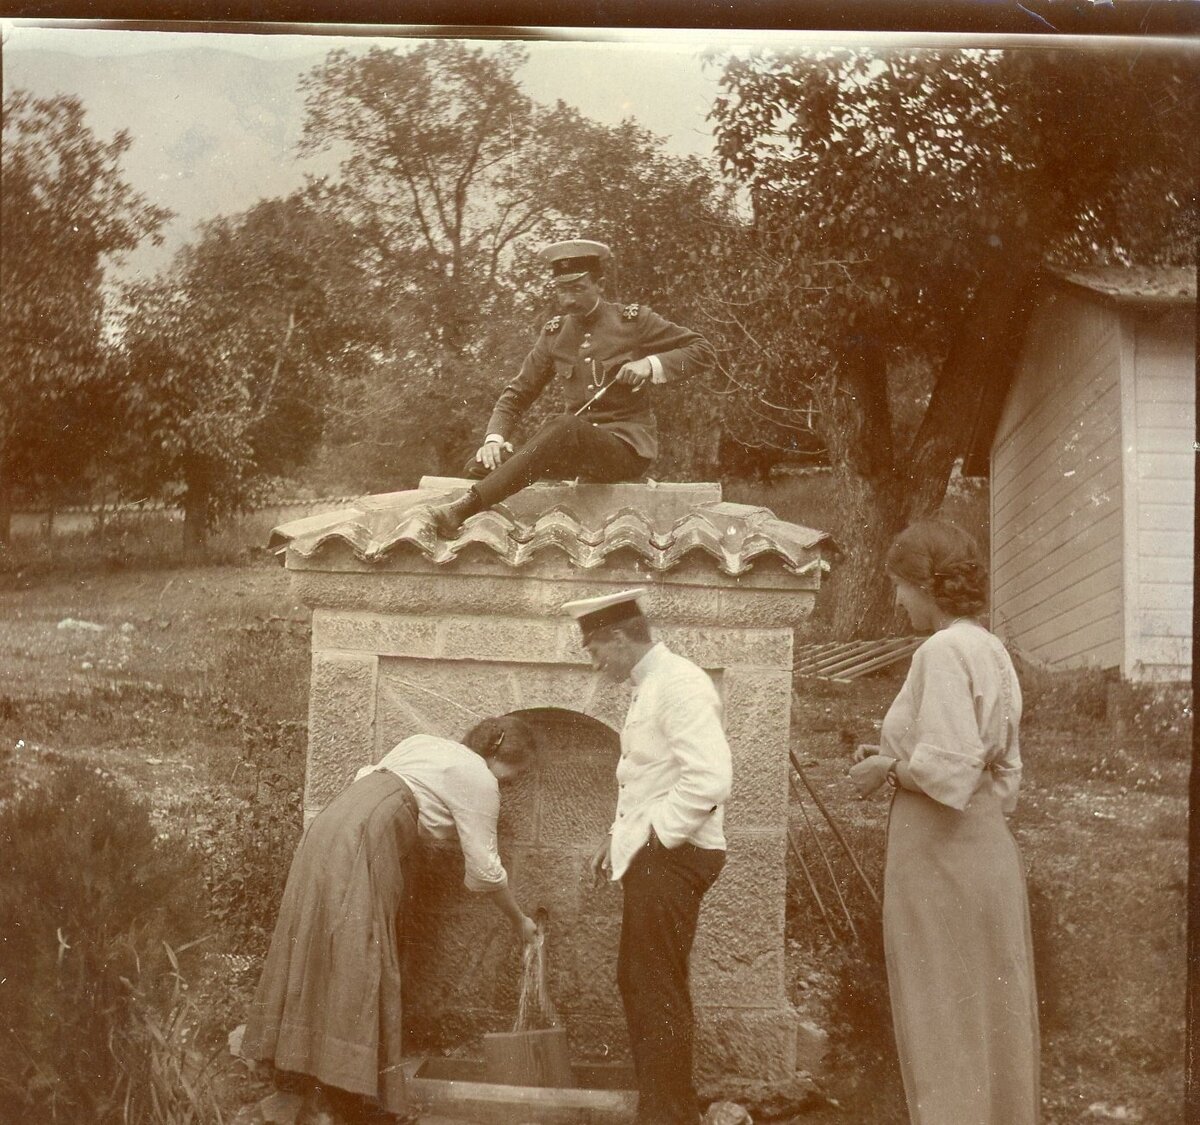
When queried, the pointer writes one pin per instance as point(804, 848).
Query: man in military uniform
point(606, 356)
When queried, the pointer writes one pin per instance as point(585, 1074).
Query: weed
point(133, 541)
point(91, 896)
point(261, 692)
point(1072, 699)
point(169, 1078)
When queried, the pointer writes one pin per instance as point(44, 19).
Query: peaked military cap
point(575, 257)
point(594, 614)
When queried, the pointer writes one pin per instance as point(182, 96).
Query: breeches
point(565, 447)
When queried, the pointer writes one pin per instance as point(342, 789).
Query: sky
point(656, 77)
point(214, 131)
point(213, 134)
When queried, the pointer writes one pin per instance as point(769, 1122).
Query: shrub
point(1068, 699)
point(261, 695)
point(90, 897)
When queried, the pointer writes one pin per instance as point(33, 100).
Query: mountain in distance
point(212, 131)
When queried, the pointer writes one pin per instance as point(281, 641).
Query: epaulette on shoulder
point(630, 312)
point(552, 325)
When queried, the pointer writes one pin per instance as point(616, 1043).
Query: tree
point(65, 211)
point(453, 175)
point(903, 206)
point(225, 357)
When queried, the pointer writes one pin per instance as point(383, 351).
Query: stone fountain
point(415, 634)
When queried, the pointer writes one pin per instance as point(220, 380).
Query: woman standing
point(328, 1002)
point(955, 909)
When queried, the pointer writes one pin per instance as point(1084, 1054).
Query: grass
point(200, 705)
point(1102, 828)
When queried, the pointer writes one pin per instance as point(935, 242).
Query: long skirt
point(960, 963)
point(328, 1003)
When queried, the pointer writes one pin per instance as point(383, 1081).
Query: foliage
point(904, 205)
point(1138, 735)
point(248, 870)
point(453, 174)
point(169, 1079)
point(225, 358)
point(90, 899)
point(64, 211)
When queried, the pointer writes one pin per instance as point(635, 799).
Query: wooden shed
point(1087, 441)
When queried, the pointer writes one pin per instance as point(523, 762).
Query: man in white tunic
point(667, 841)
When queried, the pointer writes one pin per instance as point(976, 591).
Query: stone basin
point(453, 1087)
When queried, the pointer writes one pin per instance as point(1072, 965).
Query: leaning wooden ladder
point(799, 779)
point(843, 661)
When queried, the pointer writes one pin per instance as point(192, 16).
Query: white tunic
point(675, 770)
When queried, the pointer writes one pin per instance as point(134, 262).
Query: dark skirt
point(328, 1003)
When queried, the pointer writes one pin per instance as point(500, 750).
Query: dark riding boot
point(448, 517)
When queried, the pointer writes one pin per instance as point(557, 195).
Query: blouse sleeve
point(475, 806)
point(948, 754)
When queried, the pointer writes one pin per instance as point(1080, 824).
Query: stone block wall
point(381, 676)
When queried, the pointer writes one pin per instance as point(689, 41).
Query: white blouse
point(457, 795)
point(956, 718)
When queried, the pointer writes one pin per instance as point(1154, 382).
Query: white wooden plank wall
point(1056, 491)
point(1164, 403)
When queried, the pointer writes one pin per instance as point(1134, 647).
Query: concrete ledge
point(341, 722)
point(756, 600)
point(758, 1044)
point(516, 1105)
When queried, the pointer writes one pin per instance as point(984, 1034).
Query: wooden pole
point(837, 890)
point(812, 886)
point(834, 828)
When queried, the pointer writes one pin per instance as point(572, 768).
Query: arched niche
point(463, 970)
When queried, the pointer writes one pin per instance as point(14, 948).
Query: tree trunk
point(5, 508)
point(878, 501)
point(195, 514)
point(857, 587)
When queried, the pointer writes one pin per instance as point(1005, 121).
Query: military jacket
point(582, 354)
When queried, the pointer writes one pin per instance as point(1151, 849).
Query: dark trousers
point(663, 888)
point(565, 447)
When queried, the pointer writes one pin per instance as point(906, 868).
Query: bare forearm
point(502, 899)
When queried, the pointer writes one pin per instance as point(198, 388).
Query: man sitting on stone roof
point(606, 355)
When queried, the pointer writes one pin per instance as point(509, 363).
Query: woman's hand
point(527, 930)
point(863, 751)
point(869, 774)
